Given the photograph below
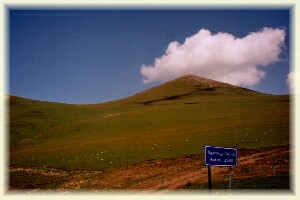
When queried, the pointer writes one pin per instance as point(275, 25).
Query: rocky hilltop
point(197, 80)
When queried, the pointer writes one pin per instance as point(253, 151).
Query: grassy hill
point(174, 119)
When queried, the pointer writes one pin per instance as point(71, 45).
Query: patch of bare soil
point(164, 175)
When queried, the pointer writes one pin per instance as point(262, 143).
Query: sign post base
point(209, 178)
point(229, 178)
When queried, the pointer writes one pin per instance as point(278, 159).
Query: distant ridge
point(197, 80)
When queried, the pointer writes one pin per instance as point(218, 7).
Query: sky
point(93, 56)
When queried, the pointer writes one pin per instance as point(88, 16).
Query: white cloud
point(290, 79)
point(221, 57)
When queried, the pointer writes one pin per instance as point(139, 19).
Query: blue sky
point(93, 56)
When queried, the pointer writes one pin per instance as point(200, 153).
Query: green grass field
point(171, 120)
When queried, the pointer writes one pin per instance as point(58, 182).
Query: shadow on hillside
point(198, 91)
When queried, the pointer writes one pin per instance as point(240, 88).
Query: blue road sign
point(220, 156)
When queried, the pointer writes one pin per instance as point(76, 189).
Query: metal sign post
point(220, 156)
point(209, 178)
point(229, 178)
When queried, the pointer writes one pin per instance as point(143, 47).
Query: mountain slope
point(187, 87)
point(174, 119)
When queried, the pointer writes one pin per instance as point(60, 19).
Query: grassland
point(171, 120)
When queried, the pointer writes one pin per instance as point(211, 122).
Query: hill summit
point(197, 80)
point(186, 89)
